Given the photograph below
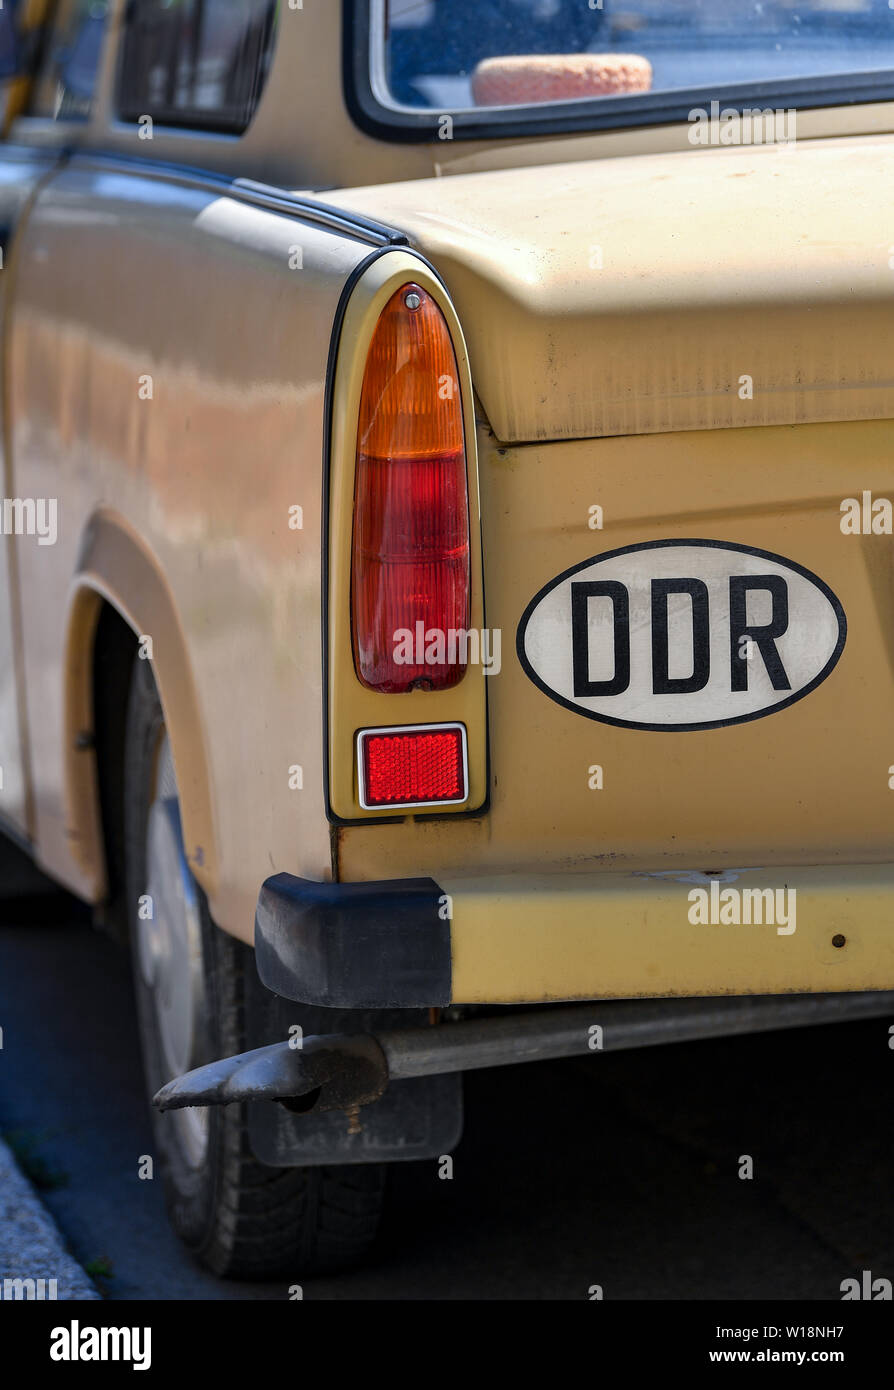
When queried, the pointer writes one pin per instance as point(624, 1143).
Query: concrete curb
point(31, 1247)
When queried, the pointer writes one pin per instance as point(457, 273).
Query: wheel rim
point(169, 942)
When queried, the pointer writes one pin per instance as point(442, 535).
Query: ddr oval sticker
point(686, 634)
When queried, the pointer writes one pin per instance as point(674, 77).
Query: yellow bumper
point(524, 939)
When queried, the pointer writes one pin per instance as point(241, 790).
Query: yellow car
point(446, 549)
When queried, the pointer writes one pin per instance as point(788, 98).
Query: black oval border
point(681, 728)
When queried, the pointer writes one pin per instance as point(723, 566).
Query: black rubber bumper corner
point(354, 945)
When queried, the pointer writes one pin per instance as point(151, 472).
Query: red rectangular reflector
point(412, 765)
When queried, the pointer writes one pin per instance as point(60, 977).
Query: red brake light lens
point(410, 560)
point(413, 765)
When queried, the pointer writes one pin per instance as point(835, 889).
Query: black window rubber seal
point(403, 126)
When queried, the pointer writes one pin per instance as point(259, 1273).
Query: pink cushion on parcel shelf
point(521, 81)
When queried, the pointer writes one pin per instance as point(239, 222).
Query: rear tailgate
point(759, 775)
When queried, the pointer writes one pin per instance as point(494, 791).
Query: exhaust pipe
point(340, 1072)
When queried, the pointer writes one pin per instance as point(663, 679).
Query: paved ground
point(613, 1170)
point(33, 1257)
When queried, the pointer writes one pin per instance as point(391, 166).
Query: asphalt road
point(615, 1170)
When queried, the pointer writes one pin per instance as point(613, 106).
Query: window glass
point(69, 66)
point(9, 47)
point(449, 55)
point(196, 62)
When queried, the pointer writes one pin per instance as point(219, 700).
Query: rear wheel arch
point(120, 595)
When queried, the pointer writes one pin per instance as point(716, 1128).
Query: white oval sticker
point(688, 634)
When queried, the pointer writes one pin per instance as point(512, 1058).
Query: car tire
point(240, 1218)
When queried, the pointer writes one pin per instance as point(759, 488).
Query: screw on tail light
point(410, 567)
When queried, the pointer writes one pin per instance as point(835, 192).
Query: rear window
point(200, 63)
point(495, 61)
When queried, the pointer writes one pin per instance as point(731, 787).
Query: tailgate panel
point(807, 783)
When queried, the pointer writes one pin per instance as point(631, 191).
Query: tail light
point(412, 765)
point(410, 551)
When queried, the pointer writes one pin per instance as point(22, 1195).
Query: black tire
point(240, 1218)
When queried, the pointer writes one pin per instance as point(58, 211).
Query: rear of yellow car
point(607, 580)
point(608, 610)
point(685, 651)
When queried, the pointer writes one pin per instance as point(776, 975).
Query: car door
point(65, 53)
point(21, 172)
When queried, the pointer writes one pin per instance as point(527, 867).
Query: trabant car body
point(447, 548)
